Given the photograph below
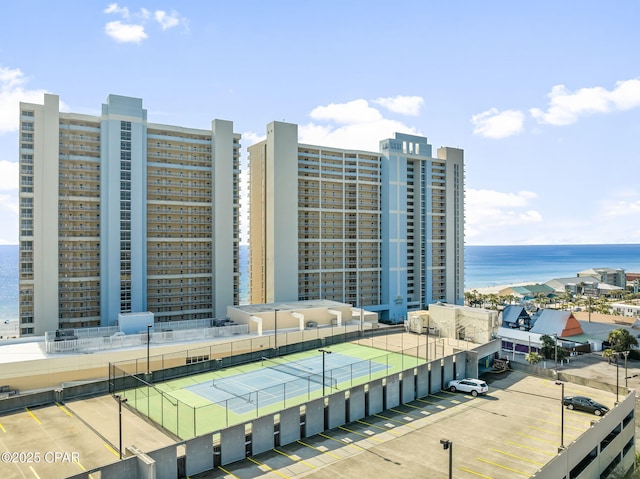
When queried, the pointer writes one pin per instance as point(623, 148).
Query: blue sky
point(544, 97)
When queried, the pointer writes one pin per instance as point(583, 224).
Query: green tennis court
point(210, 401)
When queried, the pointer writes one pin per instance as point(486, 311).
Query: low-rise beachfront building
point(612, 276)
point(584, 285)
point(630, 310)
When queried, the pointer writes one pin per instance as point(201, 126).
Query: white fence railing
point(111, 341)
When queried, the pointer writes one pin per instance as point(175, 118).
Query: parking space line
point(519, 458)
point(340, 441)
point(565, 426)
point(404, 423)
point(2, 427)
point(367, 436)
point(266, 468)
point(530, 448)
point(436, 404)
point(414, 407)
point(295, 458)
point(319, 450)
point(32, 415)
point(503, 467)
point(66, 411)
point(535, 438)
point(404, 413)
point(34, 472)
point(386, 429)
point(475, 473)
point(228, 472)
point(115, 453)
point(544, 430)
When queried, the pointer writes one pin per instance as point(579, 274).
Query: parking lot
point(511, 432)
point(62, 440)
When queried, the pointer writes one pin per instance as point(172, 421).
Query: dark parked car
point(582, 403)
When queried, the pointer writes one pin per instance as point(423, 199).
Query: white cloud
point(251, 138)
point(134, 32)
point(125, 32)
point(406, 105)
point(352, 125)
point(498, 124)
point(621, 208)
point(356, 111)
point(12, 92)
point(115, 8)
point(490, 214)
point(565, 106)
point(166, 20)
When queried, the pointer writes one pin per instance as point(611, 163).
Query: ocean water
point(8, 282)
point(484, 266)
point(497, 265)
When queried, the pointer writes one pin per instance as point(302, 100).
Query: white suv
point(473, 386)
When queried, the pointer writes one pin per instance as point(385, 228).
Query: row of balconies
point(85, 246)
point(78, 147)
point(84, 218)
point(152, 223)
point(189, 184)
point(182, 211)
point(153, 172)
point(65, 206)
point(191, 303)
point(69, 288)
point(77, 298)
point(93, 178)
point(84, 228)
point(199, 246)
point(184, 282)
point(164, 270)
point(181, 229)
point(155, 145)
point(72, 258)
point(169, 293)
point(177, 195)
point(75, 166)
point(74, 187)
point(91, 310)
point(89, 138)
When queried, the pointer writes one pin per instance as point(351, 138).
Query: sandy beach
point(498, 288)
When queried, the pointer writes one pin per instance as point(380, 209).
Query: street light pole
point(617, 377)
point(428, 324)
point(447, 444)
point(561, 415)
point(555, 340)
point(275, 339)
point(149, 326)
point(323, 351)
point(120, 401)
point(626, 375)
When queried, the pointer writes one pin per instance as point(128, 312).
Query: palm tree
point(533, 358)
point(609, 354)
point(621, 340)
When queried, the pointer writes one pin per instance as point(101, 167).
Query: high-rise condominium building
point(382, 230)
point(120, 215)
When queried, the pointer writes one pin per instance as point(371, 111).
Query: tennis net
point(246, 396)
point(305, 374)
